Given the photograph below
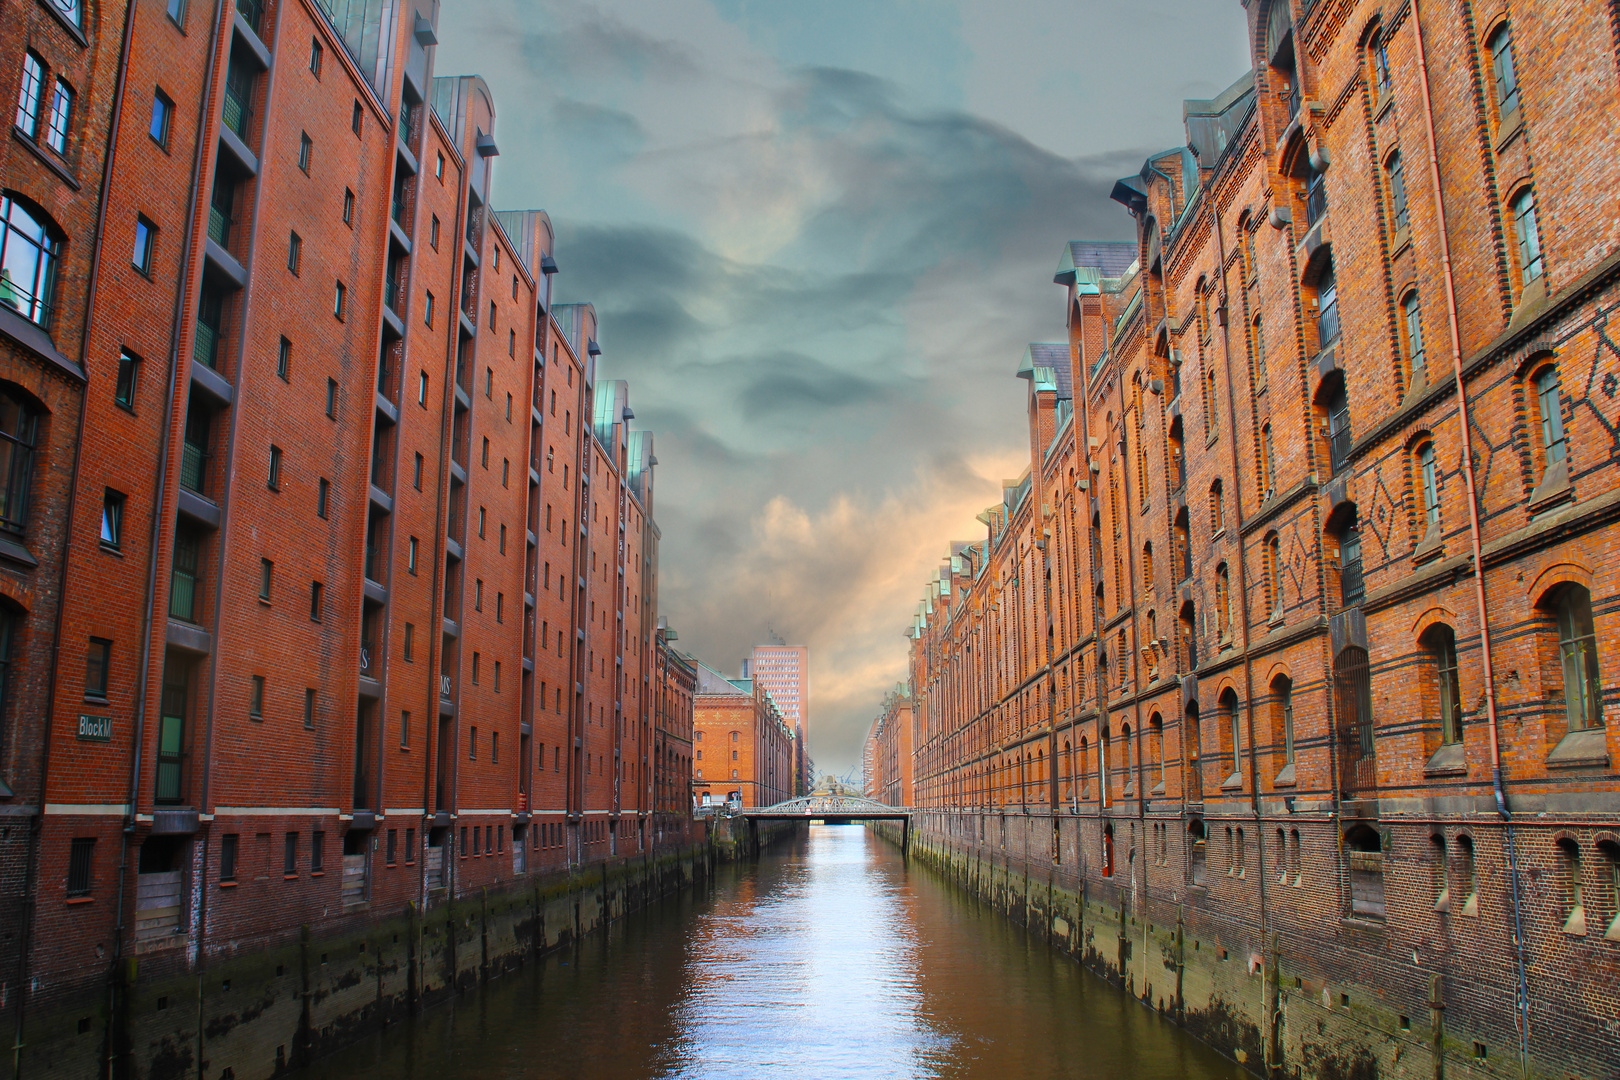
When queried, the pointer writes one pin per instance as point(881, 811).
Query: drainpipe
point(1506, 814)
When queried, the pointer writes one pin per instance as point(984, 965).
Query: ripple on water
point(829, 959)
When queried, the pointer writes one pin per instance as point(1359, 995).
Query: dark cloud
point(819, 287)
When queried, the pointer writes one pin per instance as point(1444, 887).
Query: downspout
point(1506, 814)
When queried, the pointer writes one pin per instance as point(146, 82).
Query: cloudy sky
point(818, 235)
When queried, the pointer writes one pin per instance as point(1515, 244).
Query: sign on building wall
point(95, 728)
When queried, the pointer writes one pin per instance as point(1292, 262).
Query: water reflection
point(828, 959)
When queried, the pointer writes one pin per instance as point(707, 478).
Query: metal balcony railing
point(206, 348)
point(238, 111)
point(193, 467)
point(1315, 199)
point(183, 590)
point(252, 12)
point(219, 226)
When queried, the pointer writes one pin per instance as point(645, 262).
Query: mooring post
point(905, 838)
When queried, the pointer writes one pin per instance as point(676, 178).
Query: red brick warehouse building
point(1295, 644)
point(744, 747)
point(344, 552)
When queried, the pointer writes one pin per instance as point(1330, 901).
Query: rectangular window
point(410, 555)
point(56, 131)
point(393, 848)
point(421, 389)
point(438, 168)
point(348, 207)
point(128, 370)
point(354, 126)
point(97, 659)
point(323, 498)
point(81, 852)
point(503, 539)
point(177, 12)
point(295, 252)
point(340, 298)
point(316, 53)
point(427, 308)
point(309, 708)
point(497, 683)
point(317, 852)
point(506, 471)
point(275, 468)
point(489, 380)
point(478, 595)
point(500, 607)
point(475, 669)
point(284, 360)
point(480, 523)
point(227, 857)
point(433, 230)
point(484, 455)
point(1396, 171)
point(472, 739)
point(267, 570)
point(331, 398)
point(256, 698)
point(1529, 235)
point(315, 590)
point(410, 641)
point(112, 519)
point(289, 855)
point(404, 729)
point(464, 841)
point(141, 258)
point(33, 82)
point(495, 744)
point(410, 847)
point(306, 151)
point(417, 478)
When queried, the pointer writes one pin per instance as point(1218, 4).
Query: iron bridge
point(833, 809)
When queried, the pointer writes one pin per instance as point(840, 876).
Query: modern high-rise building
point(784, 670)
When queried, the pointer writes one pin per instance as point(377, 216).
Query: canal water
point(830, 958)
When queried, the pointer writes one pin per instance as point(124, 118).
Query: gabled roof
point(1113, 258)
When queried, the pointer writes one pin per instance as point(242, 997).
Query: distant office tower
point(784, 670)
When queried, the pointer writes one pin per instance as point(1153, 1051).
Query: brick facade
point(1221, 650)
point(887, 762)
point(743, 746)
point(379, 612)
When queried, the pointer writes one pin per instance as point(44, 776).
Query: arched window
point(1083, 768)
point(1125, 758)
point(1609, 853)
point(1395, 180)
point(1439, 887)
point(1571, 608)
point(1412, 326)
point(1147, 565)
point(1352, 585)
point(1156, 727)
point(1186, 625)
point(1232, 734)
point(1335, 402)
point(29, 251)
point(19, 428)
point(1178, 455)
point(1428, 482)
point(1549, 408)
point(1268, 463)
point(1282, 721)
point(1378, 53)
point(1467, 889)
point(1108, 851)
point(1217, 509)
point(1212, 418)
point(1440, 643)
point(1527, 231)
point(1504, 77)
point(1570, 855)
point(1258, 343)
point(1223, 602)
point(1274, 583)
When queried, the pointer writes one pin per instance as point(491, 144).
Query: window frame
point(97, 669)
